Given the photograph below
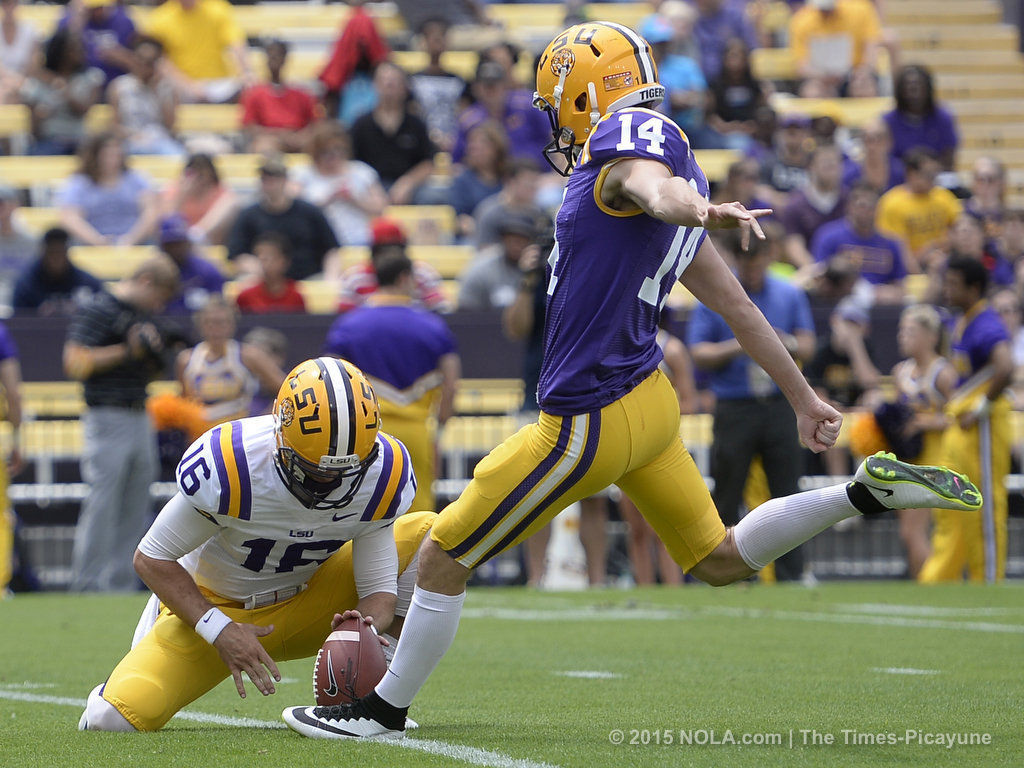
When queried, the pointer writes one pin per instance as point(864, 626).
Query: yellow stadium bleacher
point(113, 262)
point(219, 119)
point(961, 12)
point(15, 120)
point(957, 38)
point(50, 171)
point(425, 224)
point(981, 62)
point(294, 20)
point(984, 111)
point(493, 396)
point(262, 19)
point(305, 65)
point(38, 219)
point(476, 434)
point(916, 286)
point(716, 162)
point(853, 113)
point(780, 64)
point(981, 86)
point(992, 136)
point(45, 437)
point(449, 260)
point(1012, 158)
point(321, 296)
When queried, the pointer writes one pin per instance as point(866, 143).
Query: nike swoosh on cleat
point(886, 491)
point(299, 713)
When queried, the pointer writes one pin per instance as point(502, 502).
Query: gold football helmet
point(326, 420)
point(586, 72)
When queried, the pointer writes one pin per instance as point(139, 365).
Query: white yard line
point(471, 755)
point(905, 671)
point(28, 686)
point(584, 614)
point(199, 717)
point(589, 674)
point(922, 610)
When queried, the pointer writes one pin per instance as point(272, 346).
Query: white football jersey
point(265, 538)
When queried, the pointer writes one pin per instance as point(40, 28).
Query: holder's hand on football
point(353, 614)
point(241, 651)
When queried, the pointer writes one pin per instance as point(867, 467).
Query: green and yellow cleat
point(889, 483)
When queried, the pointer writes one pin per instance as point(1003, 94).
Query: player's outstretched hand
point(241, 651)
point(735, 215)
point(354, 614)
point(818, 424)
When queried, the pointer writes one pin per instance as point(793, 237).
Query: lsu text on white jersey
point(262, 539)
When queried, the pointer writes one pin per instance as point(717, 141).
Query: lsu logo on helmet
point(563, 59)
point(586, 72)
point(286, 412)
point(326, 424)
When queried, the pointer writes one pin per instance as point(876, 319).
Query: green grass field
point(745, 662)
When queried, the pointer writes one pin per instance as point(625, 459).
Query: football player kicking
point(632, 222)
point(280, 522)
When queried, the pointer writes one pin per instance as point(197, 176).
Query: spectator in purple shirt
point(878, 258)
point(199, 279)
point(877, 167)
point(717, 23)
point(917, 121)
point(108, 35)
point(527, 128)
point(817, 202)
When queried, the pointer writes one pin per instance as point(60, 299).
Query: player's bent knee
point(101, 715)
point(723, 565)
point(440, 572)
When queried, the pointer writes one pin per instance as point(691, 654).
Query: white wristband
point(212, 624)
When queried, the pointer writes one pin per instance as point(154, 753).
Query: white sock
point(426, 636)
point(101, 715)
point(779, 525)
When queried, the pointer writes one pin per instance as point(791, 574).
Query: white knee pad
point(101, 715)
point(147, 619)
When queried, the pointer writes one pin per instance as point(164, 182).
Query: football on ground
point(348, 665)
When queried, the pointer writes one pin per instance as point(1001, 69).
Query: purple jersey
point(7, 347)
point(393, 342)
point(610, 272)
point(973, 339)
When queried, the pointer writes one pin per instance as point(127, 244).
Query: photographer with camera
point(492, 278)
point(115, 348)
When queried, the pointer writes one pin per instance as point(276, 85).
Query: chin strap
point(556, 94)
point(595, 113)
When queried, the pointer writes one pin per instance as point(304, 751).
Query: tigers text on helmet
point(586, 72)
point(326, 420)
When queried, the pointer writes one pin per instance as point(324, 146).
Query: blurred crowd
point(862, 213)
